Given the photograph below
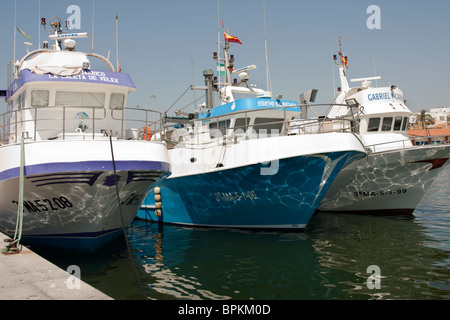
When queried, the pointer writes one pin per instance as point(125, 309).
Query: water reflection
point(327, 261)
point(408, 267)
point(223, 264)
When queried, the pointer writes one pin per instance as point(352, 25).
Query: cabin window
point(241, 124)
point(397, 123)
point(271, 125)
point(387, 124)
point(80, 99)
point(374, 124)
point(243, 95)
point(222, 126)
point(117, 101)
point(405, 123)
point(39, 98)
point(19, 103)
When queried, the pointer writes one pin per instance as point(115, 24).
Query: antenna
point(93, 13)
point(15, 28)
point(28, 44)
point(244, 69)
point(374, 70)
point(269, 84)
point(218, 47)
point(117, 38)
point(39, 25)
point(365, 79)
point(193, 81)
point(332, 70)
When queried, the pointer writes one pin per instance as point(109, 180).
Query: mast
point(269, 82)
point(341, 63)
point(227, 64)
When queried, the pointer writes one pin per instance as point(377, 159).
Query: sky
point(165, 45)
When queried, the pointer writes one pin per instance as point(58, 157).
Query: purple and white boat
point(72, 177)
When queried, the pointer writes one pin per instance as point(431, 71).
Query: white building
point(440, 114)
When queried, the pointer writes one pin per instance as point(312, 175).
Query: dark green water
point(327, 261)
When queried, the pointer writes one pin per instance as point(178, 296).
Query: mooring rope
point(14, 245)
point(130, 255)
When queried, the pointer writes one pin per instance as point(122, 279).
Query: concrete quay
point(28, 276)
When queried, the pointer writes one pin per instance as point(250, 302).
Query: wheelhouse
point(68, 100)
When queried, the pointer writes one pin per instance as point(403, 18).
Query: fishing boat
point(250, 162)
point(396, 174)
point(72, 177)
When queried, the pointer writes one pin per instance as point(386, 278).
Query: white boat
point(396, 174)
point(251, 162)
point(67, 168)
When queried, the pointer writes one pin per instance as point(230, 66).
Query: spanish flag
point(229, 38)
point(345, 61)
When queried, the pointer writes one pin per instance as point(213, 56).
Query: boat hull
point(387, 183)
point(241, 197)
point(74, 204)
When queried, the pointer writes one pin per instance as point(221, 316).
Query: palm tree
point(424, 118)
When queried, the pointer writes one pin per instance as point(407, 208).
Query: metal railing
point(58, 122)
point(406, 143)
point(289, 119)
point(390, 145)
point(139, 118)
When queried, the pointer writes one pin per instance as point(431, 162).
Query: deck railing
point(62, 122)
point(280, 120)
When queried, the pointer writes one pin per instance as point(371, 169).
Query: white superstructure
point(395, 175)
point(67, 169)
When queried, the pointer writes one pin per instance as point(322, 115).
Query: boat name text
point(358, 194)
point(57, 203)
point(235, 196)
point(272, 103)
point(379, 96)
point(88, 75)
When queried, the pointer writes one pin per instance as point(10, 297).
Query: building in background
point(441, 116)
point(439, 132)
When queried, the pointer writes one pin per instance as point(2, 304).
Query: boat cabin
point(55, 95)
point(381, 113)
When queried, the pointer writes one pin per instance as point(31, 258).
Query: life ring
point(147, 134)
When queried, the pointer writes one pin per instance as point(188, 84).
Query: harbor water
point(338, 256)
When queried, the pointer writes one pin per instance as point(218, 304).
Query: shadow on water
point(329, 260)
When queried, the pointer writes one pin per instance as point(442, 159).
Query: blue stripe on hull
point(46, 224)
point(80, 242)
point(243, 198)
point(58, 167)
